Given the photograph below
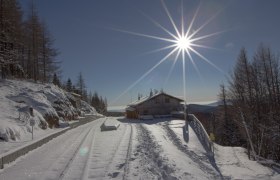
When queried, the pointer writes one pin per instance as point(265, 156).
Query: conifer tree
point(10, 37)
point(81, 87)
point(56, 80)
point(26, 47)
point(69, 85)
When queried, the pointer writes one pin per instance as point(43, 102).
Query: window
point(167, 100)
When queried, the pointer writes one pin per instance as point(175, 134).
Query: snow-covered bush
point(9, 131)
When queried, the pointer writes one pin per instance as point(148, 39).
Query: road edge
point(13, 155)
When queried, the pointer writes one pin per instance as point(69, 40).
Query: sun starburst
point(181, 43)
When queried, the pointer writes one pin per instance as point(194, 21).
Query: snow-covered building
point(157, 104)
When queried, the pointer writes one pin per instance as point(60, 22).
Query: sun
point(183, 43)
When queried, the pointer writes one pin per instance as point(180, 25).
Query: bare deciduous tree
point(254, 89)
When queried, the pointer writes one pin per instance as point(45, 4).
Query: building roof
point(147, 98)
point(76, 95)
point(129, 108)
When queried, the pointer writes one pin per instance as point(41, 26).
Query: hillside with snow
point(51, 106)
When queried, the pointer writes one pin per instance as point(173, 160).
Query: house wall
point(131, 114)
point(159, 105)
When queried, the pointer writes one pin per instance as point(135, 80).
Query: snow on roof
point(75, 94)
point(140, 101)
point(146, 98)
point(129, 108)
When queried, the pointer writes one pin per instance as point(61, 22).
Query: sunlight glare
point(183, 43)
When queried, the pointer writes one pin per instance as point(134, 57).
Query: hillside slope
point(50, 104)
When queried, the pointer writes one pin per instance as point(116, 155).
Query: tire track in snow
point(110, 164)
point(67, 167)
point(155, 166)
point(63, 162)
point(77, 167)
point(191, 154)
point(109, 155)
point(128, 155)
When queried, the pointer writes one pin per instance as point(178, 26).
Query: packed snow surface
point(153, 149)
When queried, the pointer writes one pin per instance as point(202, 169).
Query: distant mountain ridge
point(205, 108)
point(195, 108)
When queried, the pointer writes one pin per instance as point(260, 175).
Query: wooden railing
point(201, 134)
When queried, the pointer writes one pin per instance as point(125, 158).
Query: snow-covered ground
point(49, 103)
point(136, 150)
point(228, 163)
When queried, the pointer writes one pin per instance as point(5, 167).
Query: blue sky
point(110, 60)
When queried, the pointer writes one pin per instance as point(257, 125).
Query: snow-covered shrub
point(9, 131)
point(52, 120)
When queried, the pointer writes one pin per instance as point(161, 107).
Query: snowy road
point(136, 150)
point(81, 153)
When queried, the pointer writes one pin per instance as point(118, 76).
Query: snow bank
point(50, 104)
point(160, 152)
point(230, 162)
point(234, 163)
point(110, 124)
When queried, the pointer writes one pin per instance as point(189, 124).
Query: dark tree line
point(78, 88)
point(96, 101)
point(226, 130)
point(26, 46)
point(254, 96)
point(99, 103)
point(27, 51)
